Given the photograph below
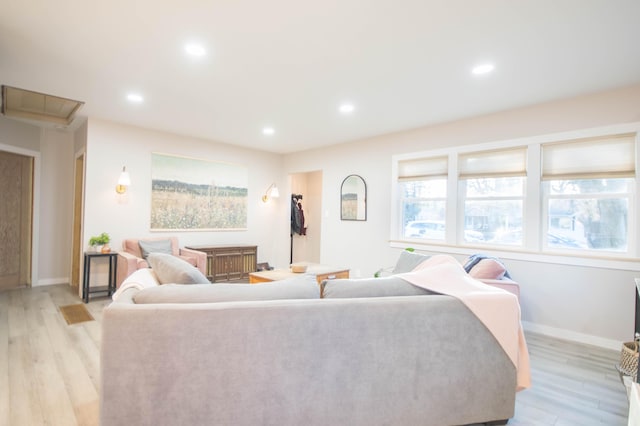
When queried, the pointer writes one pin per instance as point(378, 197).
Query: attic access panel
point(26, 104)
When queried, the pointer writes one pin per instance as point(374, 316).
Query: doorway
point(306, 248)
point(16, 219)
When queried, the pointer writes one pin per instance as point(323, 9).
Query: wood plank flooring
point(572, 384)
point(49, 371)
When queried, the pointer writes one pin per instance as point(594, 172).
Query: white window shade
point(422, 168)
point(496, 163)
point(612, 156)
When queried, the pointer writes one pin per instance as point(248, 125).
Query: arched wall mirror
point(353, 198)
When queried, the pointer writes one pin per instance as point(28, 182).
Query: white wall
point(19, 134)
point(52, 197)
point(55, 207)
point(111, 146)
point(359, 245)
point(80, 139)
point(577, 302)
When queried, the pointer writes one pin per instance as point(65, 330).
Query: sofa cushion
point(171, 269)
point(303, 287)
point(408, 261)
point(370, 287)
point(154, 246)
point(488, 269)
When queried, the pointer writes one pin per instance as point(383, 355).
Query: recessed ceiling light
point(482, 69)
point(135, 98)
point(195, 49)
point(268, 131)
point(346, 108)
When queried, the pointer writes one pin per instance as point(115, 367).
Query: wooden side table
point(229, 262)
point(110, 288)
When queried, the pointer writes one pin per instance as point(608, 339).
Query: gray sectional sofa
point(369, 352)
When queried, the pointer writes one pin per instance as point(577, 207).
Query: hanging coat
point(303, 229)
point(295, 218)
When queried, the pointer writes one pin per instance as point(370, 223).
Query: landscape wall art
point(190, 194)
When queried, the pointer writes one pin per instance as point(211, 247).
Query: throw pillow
point(303, 287)
point(488, 269)
point(408, 261)
point(154, 246)
point(171, 269)
point(370, 287)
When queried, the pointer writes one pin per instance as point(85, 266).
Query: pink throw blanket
point(496, 308)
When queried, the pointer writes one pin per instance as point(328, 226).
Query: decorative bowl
point(298, 269)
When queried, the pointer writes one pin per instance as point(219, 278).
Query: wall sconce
point(271, 192)
point(123, 181)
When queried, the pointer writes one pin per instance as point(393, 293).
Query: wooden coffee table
point(321, 272)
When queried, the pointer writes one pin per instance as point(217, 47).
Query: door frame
point(77, 251)
point(35, 206)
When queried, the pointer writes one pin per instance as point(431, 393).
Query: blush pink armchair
point(132, 258)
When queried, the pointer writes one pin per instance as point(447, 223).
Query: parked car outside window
point(428, 229)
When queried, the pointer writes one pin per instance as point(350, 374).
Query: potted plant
point(100, 242)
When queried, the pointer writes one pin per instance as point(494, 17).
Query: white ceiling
point(288, 64)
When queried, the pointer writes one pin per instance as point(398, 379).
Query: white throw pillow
point(172, 269)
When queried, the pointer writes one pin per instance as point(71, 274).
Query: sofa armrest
point(505, 284)
point(138, 280)
point(127, 265)
point(200, 256)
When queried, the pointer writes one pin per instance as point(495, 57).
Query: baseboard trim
point(573, 336)
point(52, 281)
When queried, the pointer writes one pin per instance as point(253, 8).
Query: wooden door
point(16, 201)
point(76, 254)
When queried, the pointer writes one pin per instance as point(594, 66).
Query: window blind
point(495, 163)
point(422, 168)
point(601, 157)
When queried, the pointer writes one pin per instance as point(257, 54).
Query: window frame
point(463, 199)
point(629, 195)
point(418, 169)
point(535, 222)
point(402, 201)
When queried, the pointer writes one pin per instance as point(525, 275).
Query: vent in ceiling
point(25, 104)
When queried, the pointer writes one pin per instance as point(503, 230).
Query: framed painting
point(189, 194)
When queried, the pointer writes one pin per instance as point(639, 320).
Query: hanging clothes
point(303, 229)
point(297, 216)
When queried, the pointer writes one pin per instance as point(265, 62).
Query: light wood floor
point(49, 371)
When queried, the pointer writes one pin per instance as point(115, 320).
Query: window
point(422, 187)
point(492, 184)
point(572, 194)
point(588, 186)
